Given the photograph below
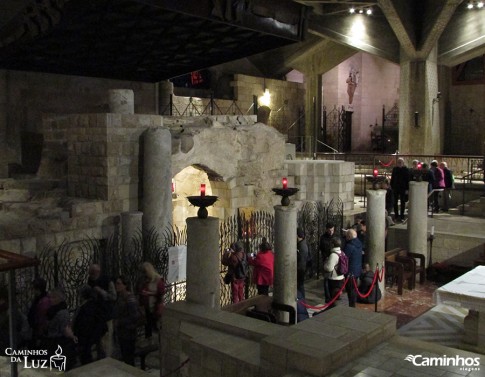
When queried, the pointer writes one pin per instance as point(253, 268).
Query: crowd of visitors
point(109, 314)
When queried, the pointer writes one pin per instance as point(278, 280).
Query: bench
point(418, 264)
point(143, 351)
point(399, 269)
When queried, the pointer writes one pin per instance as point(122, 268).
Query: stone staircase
point(474, 208)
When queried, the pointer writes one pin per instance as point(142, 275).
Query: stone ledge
point(324, 343)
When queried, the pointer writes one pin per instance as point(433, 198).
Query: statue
point(352, 82)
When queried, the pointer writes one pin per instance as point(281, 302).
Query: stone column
point(131, 223)
point(376, 230)
point(419, 119)
point(121, 101)
point(284, 291)
point(418, 218)
point(165, 92)
point(157, 179)
point(203, 273)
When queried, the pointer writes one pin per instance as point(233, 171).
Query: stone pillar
point(203, 273)
point(121, 101)
point(165, 93)
point(418, 218)
point(284, 286)
point(376, 230)
point(157, 179)
point(131, 223)
point(419, 119)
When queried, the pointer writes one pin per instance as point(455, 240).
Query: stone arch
point(242, 162)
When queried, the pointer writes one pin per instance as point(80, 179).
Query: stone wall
point(321, 180)
point(457, 240)
point(219, 343)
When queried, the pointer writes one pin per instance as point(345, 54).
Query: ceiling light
point(368, 11)
point(480, 4)
point(361, 11)
point(352, 10)
point(470, 6)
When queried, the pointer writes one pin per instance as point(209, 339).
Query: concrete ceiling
point(152, 40)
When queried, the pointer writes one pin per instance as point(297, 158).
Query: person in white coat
point(335, 281)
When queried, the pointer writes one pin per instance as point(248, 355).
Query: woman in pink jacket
point(263, 271)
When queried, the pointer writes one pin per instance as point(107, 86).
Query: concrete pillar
point(203, 273)
point(121, 101)
point(376, 230)
point(131, 223)
point(418, 218)
point(157, 179)
point(284, 286)
point(419, 115)
point(165, 91)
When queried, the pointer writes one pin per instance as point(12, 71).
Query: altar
point(468, 291)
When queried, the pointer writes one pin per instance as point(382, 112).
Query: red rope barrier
point(370, 289)
point(381, 276)
point(386, 165)
point(178, 368)
point(323, 307)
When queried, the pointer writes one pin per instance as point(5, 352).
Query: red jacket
point(263, 264)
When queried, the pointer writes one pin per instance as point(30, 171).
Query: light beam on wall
point(265, 99)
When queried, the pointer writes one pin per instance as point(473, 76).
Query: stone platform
point(220, 343)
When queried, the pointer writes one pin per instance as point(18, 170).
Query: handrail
point(472, 173)
point(293, 124)
point(328, 146)
point(464, 182)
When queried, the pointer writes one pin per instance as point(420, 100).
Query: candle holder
point(285, 194)
point(203, 202)
point(375, 180)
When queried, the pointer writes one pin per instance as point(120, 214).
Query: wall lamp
point(437, 99)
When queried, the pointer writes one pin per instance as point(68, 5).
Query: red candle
point(202, 189)
point(375, 173)
point(285, 183)
point(420, 165)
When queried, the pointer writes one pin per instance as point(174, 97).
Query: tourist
point(263, 263)
point(325, 246)
point(301, 260)
point(335, 281)
point(89, 324)
point(151, 293)
point(353, 250)
point(449, 185)
point(400, 187)
point(125, 315)
point(105, 296)
point(37, 316)
point(59, 329)
point(236, 260)
point(438, 184)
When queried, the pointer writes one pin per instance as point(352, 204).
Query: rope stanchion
point(323, 307)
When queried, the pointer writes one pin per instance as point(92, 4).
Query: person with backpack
point(353, 251)
point(334, 268)
point(236, 260)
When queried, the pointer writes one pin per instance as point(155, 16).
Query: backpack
point(242, 268)
point(342, 266)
